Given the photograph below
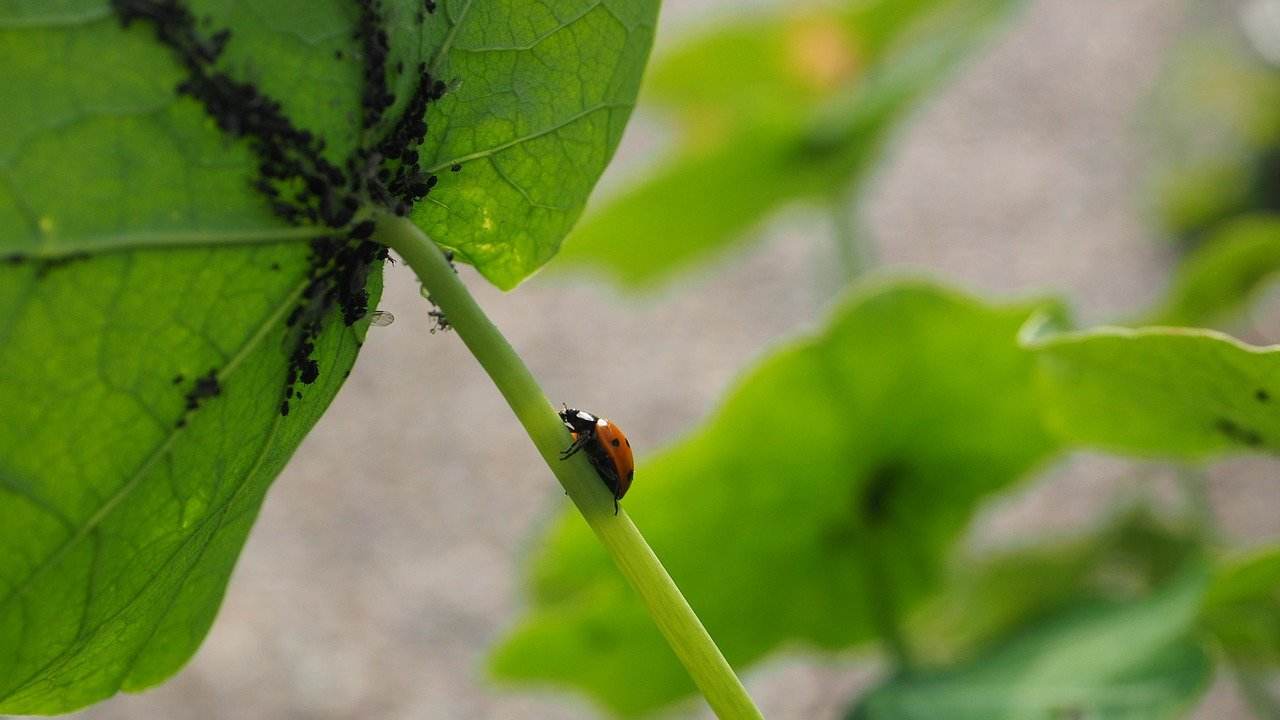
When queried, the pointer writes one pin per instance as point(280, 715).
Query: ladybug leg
point(578, 443)
point(616, 507)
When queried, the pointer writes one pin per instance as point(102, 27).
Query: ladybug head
point(577, 420)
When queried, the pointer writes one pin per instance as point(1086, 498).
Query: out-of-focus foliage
point(1131, 660)
point(852, 461)
point(826, 493)
point(1242, 607)
point(987, 599)
point(1170, 392)
point(769, 111)
point(1216, 123)
point(1220, 277)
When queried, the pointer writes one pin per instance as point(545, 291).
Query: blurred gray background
point(386, 559)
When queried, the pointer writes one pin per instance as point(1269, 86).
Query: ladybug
point(607, 448)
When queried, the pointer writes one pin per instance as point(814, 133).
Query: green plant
point(198, 199)
point(195, 269)
point(843, 469)
point(792, 106)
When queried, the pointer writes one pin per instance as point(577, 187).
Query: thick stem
point(853, 254)
point(1194, 481)
point(884, 606)
point(677, 621)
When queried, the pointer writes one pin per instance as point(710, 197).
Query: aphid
point(206, 386)
point(606, 446)
point(308, 371)
point(381, 318)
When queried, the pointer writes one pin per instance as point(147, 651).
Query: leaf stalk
point(642, 569)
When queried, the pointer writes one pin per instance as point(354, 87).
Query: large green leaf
point(1131, 660)
point(1242, 607)
point(838, 472)
point(543, 92)
point(166, 339)
point(779, 108)
point(1159, 391)
point(1235, 261)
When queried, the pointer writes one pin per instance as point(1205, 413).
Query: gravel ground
point(385, 561)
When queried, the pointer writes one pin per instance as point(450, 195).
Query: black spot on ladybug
point(614, 442)
point(1261, 395)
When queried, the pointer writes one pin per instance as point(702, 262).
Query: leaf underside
point(157, 312)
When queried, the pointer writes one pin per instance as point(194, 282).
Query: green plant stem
point(852, 253)
point(883, 604)
point(677, 621)
point(1194, 481)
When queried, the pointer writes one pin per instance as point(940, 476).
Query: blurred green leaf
point(836, 475)
point(1130, 660)
point(143, 273)
point(1221, 275)
point(1172, 392)
point(774, 110)
point(1215, 120)
point(1242, 608)
point(985, 600)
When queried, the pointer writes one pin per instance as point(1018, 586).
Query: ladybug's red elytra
point(607, 448)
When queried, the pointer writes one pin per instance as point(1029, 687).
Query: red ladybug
point(607, 448)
